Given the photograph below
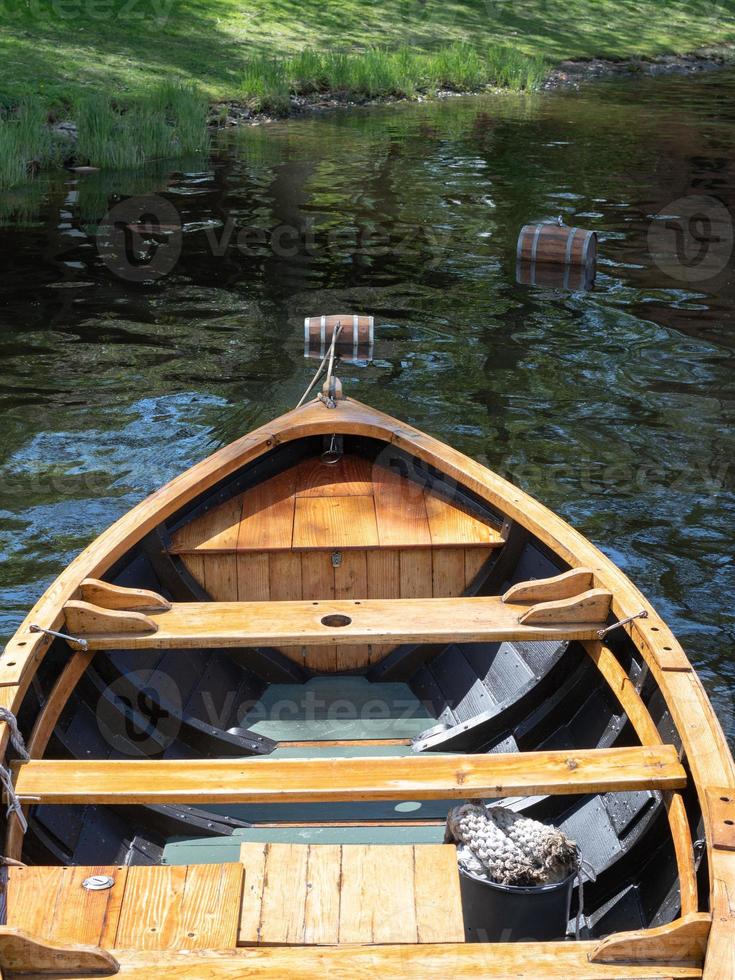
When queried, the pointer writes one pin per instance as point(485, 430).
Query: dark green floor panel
point(222, 850)
point(341, 707)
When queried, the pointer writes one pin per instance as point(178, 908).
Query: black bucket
point(510, 913)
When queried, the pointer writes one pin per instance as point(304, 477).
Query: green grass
point(25, 142)
point(167, 121)
point(267, 83)
point(62, 48)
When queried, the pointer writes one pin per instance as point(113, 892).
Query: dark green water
point(614, 407)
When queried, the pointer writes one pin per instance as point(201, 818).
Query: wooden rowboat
point(249, 703)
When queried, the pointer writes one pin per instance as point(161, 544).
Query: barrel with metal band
point(549, 275)
point(558, 244)
point(354, 343)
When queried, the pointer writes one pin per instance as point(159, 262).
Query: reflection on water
point(615, 407)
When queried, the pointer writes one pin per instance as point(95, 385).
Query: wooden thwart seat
point(339, 622)
point(267, 780)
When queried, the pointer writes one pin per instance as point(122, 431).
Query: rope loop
point(14, 804)
point(16, 738)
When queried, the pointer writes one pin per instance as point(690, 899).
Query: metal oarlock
point(643, 614)
point(34, 628)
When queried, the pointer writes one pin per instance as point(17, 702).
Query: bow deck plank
point(265, 780)
point(283, 624)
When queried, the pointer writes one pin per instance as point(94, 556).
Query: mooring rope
point(14, 804)
point(6, 777)
point(16, 738)
point(329, 356)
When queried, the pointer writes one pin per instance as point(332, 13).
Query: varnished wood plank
point(383, 574)
point(254, 576)
point(194, 564)
point(83, 916)
point(252, 858)
point(220, 577)
point(438, 900)
point(267, 514)
point(416, 573)
point(322, 905)
point(719, 962)
point(448, 578)
point(432, 961)
point(350, 576)
point(32, 896)
point(451, 524)
point(151, 906)
point(285, 580)
point(335, 522)
point(474, 559)
point(283, 905)
point(383, 582)
point(317, 582)
point(377, 903)
point(215, 530)
point(350, 582)
point(465, 619)
point(721, 805)
point(132, 781)
point(400, 510)
point(357, 910)
point(210, 908)
point(351, 475)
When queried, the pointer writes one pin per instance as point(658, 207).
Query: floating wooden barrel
point(354, 343)
point(568, 277)
point(556, 244)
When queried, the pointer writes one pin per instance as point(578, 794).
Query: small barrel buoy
point(354, 343)
point(557, 244)
point(574, 279)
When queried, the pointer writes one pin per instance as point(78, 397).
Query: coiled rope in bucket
point(509, 849)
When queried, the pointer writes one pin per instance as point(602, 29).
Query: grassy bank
point(62, 48)
point(165, 121)
point(268, 83)
point(101, 62)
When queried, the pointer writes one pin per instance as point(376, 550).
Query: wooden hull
point(414, 545)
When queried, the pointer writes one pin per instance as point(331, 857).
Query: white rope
point(313, 380)
point(510, 849)
point(14, 804)
point(16, 739)
point(6, 778)
point(329, 356)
